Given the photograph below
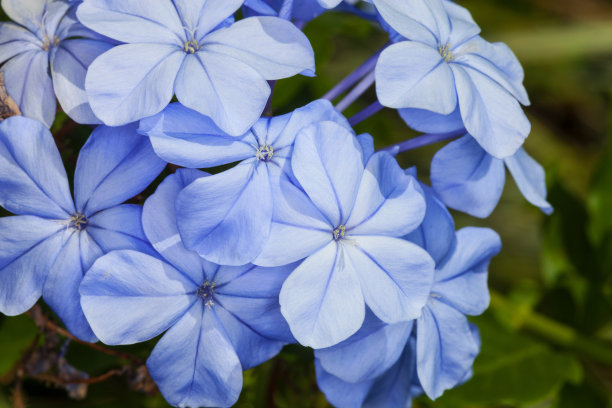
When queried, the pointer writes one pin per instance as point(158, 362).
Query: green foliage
point(16, 334)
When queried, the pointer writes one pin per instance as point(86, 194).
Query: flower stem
point(356, 92)
point(366, 113)
point(353, 77)
point(423, 140)
point(554, 332)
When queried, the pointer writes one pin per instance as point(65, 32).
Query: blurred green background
point(547, 337)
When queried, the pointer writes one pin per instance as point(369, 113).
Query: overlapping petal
point(530, 178)
point(118, 227)
point(15, 40)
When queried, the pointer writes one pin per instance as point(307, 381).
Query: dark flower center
point(191, 46)
point(264, 153)
point(206, 293)
point(446, 52)
point(339, 232)
point(48, 43)
point(78, 221)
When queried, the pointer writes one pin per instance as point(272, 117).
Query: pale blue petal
point(463, 26)
point(389, 202)
point(430, 122)
point(132, 81)
point(393, 389)
point(129, 297)
point(68, 69)
point(251, 346)
point(340, 393)
point(498, 62)
point(31, 171)
point(203, 16)
point(115, 164)
point(119, 227)
point(445, 348)
point(490, 113)
point(437, 232)
point(395, 275)
point(467, 178)
point(215, 210)
point(274, 47)
point(322, 299)
point(366, 141)
point(330, 182)
point(28, 82)
point(530, 178)
point(425, 21)
point(227, 90)
point(61, 290)
point(70, 26)
point(159, 223)
point(28, 13)
point(187, 138)
point(294, 215)
point(368, 353)
point(194, 364)
point(15, 40)
point(283, 129)
point(414, 75)
point(329, 3)
point(461, 281)
point(133, 21)
point(28, 247)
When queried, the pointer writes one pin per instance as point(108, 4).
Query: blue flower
point(446, 344)
point(219, 320)
point(302, 10)
point(47, 248)
point(344, 217)
point(219, 209)
point(468, 179)
point(193, 49)
point(47, 54)
point(444, 67)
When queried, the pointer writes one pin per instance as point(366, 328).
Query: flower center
point(264, 153)
point(48, 44)
point(206, 293)
point(339, 232)
point(446, 53)
point(191, 46)
point(78, 222)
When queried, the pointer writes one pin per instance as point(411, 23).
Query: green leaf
point(582, 396)
point(16, 334)
point(4, 401)
point(512, 369)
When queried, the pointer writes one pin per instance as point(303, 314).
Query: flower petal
point(187, 138)
point(32, 174)
point(327, 161)
point(61, 290)
point(490, 113)
point(395, 275)
point(194, 364)
point(425, 21)
point(28, 82)
point(223, 88)
point(340, 393)
point(445, 348)
point(414, 75)
point(274, 47)
point(28, 13)
point(461, 281)
point(132, 81)
point(294, 216)
point(160, 226)
point(215, 210)
point(133, 21)
point(467, 178)
point(429, 122)
point(68, 69)
point(389, 202)
point(115, 164)
point(353, 361)
point(15, 40)
point(129, 297)
point(322, 299)
point(203, 16)
point(530, 179)
point(28, 247)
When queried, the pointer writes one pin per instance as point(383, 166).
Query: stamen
point(264, 153)
point(191, 46)
point(446, 53)
point(78, 222)
point(206, 293)
point(47, 44)
point(339, 232)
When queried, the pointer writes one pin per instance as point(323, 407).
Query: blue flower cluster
point(306, 234)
